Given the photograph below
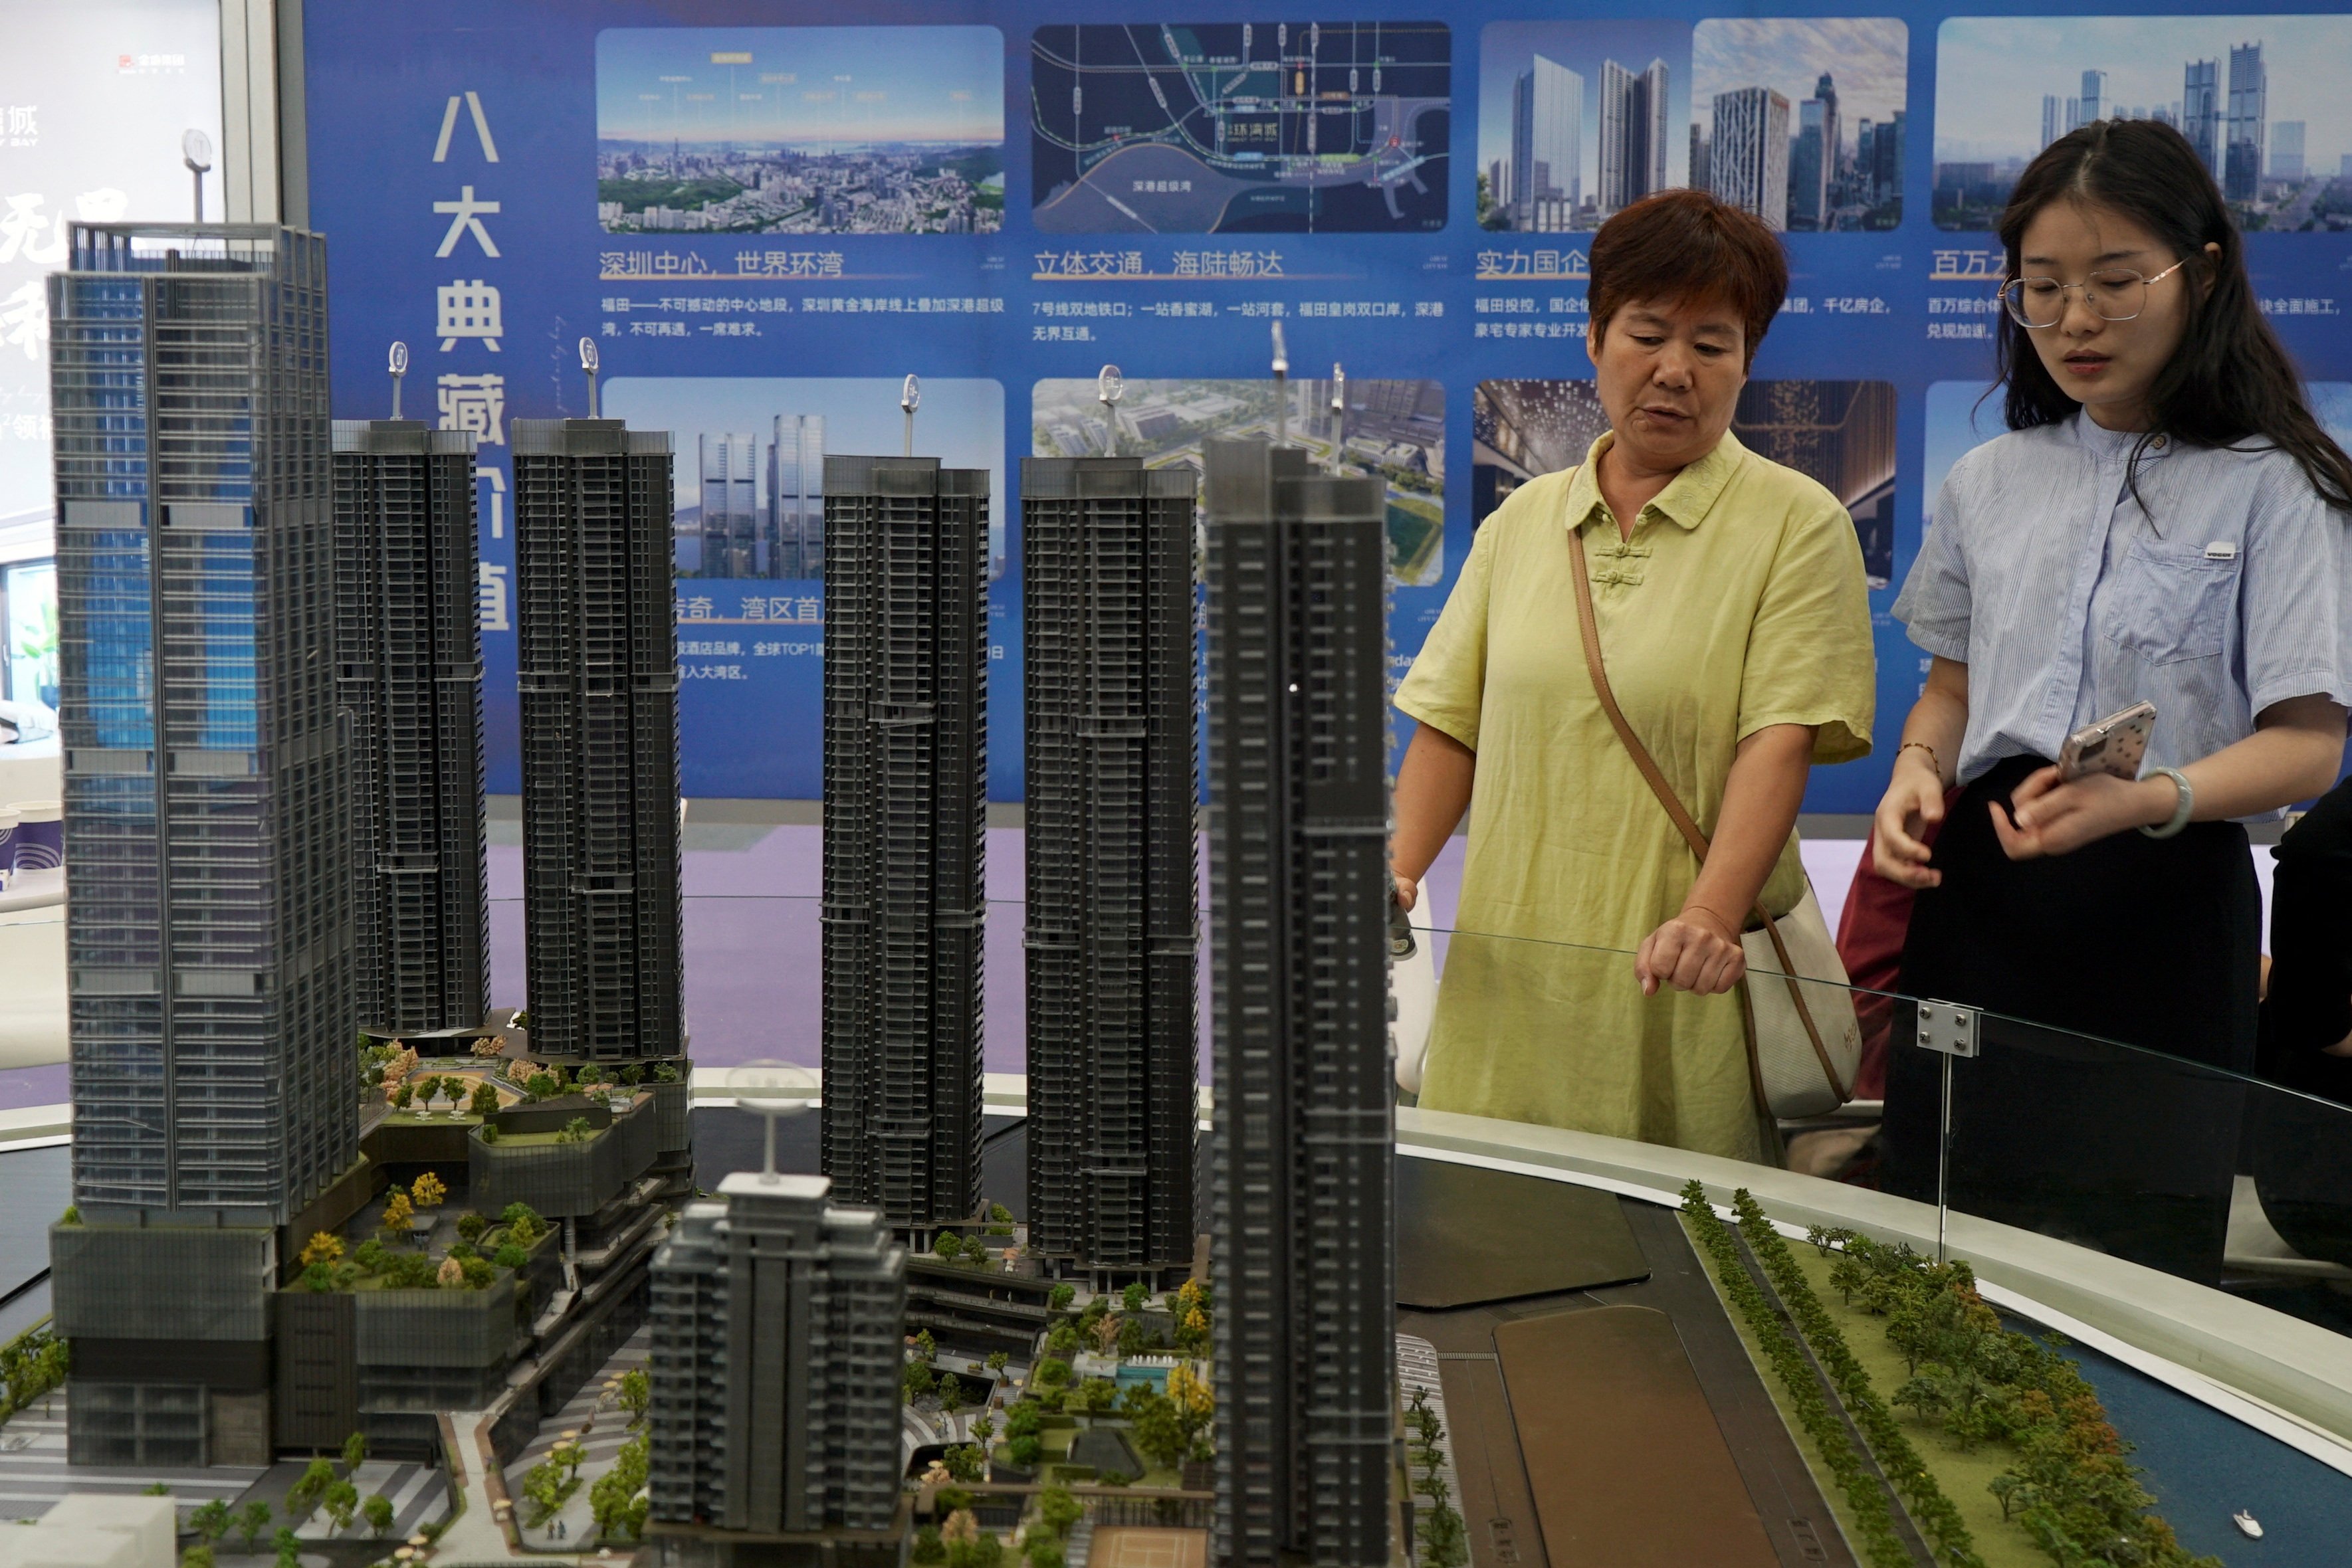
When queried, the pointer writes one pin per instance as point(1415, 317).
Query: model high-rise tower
point(598, 657)
point(1113, 927)
point(796, 497)
point(206, 794)
point(409, 658)
point(1304, 1234)
point(777, 1355)
point(906, 776)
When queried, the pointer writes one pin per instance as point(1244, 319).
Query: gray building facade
point(1304, 1233)
point(796, 497)
point(778, 1348)
point(598, 656)
point(906, 791)
point(408, 657)
point(1113, 906)
point(208, 931)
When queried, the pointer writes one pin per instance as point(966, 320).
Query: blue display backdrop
point(766, 219)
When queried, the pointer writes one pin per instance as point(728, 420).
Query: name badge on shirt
point(2220, 549)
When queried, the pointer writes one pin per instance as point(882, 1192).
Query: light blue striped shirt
point(2068, 600)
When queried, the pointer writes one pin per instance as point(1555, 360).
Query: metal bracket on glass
point(1947, 1028)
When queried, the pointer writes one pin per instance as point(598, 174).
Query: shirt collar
point(1687, 498)
point(2118, 445)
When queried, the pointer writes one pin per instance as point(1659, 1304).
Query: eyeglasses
point(2114, 294)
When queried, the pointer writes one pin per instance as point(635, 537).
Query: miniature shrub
point(470, 1227)
point(1052, 1373)
point(949, 1245)
point(1064, 1294)
point(484, 1101)
point(410, 1271)
point(460, 1250)
point(72, 1216)
point(489, 1132)
point(370, 1255)
point(1133, 1297)
point(927, 1550)
point(1059, 1510)
point(964, 1462)
point(664, 1073)
point(478, 1275)
point(522, 1222)
point(510, 1256)
point(318, 1277)
point(1025, 1452)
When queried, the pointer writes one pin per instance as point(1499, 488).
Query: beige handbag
point(1804, 1043)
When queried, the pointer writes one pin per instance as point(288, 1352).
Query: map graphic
point(1241, 128)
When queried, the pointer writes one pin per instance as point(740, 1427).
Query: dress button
point(2159, 442)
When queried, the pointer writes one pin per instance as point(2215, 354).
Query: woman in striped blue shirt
point(2166, 521)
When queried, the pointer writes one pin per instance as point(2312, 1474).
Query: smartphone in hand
point(2115, 744)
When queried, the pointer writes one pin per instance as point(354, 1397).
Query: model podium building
point(1112, 939)
point(1305, 1238)
point(906, 757)
point(409, 671)
point(209, 938)
point(597, 650)
point(777, 1355)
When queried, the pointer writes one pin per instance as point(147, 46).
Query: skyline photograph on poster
point(1391, 430)
point(749, 458)
point(1839, 434)
point(1240, 127)
point(1577, 119)
point(2260, 98)
point(800, 131)
point(1801, 122)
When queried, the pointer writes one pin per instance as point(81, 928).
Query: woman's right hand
point(1914, 802)
point(1408, 893)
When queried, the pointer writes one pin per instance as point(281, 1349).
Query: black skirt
point(2129, 942)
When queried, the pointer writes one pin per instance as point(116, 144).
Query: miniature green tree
point(1134, 1296)
point(1100, 1394)
point(522, 1222)
point(1042, 1551)
point(1050, 1373)
point(1062, 1296)
point(947, 1246)
point(306, 1494)
point(377, 1512)
point(197, 1556)
point(964, 1462)
point(471, 1227)
point(290, 1549)
point(1062, 1340)
point(1059, 1510)
point(636, 1395)
point(1132, 1339)
point(486, 1100)
point(510, 1256)
point(251, 1521)
point(917, 1380)
point(1160, 1436)
point(212, 1520)
point(355, 1452)
point(613, 1498)
point(404, 1095)
point(950, 1392)
point(929, 1550)
point(927, 1349)
point(341, 1500)
point(998, 1361)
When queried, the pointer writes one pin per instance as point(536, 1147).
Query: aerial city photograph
point(1392, 430)
point(1241, 128)
point(2260, 98)
point(800, 131)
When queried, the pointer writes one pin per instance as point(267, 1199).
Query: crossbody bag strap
point(1589, 627)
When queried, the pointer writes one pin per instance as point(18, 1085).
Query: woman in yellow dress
point(1734, 628)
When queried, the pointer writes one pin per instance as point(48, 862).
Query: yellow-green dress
point(1739, 602)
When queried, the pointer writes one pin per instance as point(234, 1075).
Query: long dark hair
point(2230, 380)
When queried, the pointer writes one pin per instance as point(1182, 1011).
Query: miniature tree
point(963, 1462)
point(429, 1192)
point(324, 1247)
point(451, 1274)
point(1063, 1295)
point(917, 1380)
point(343, 1500)
point(399, 1213)
point(947, 1247)
point(1133, 1297)
point(403, 1095)
point(637, 1394)
point(1160, 1435)
point(927, 1349)
point(998, 1361)
point(212, 1520)
point(370, 1255)
point(486, 1100)
point(542, 1085)
point(522, 1222)
point(1062, 1340)
point(290, 1549)
point(251, 1521)
point(950, 1392)
point(1106, 1334)
point(377, 1512)
point(511, 1256)
point(1100, 1394)
point(1058, 1510)
point(305, 1494)
point(1042, 1552)
point(470, 1228)
point(982, 1430)
point(198, 1556)
point(1050, 1373)
point(355, 1452)
point(1132, 1338)
point(928, 1549)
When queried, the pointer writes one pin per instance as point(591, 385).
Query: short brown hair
point(1687, 244)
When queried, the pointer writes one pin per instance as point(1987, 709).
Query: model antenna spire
point(773, 1091)
point(588, 363)
point(910, 398)
point(1339, 415)
point(1281, 377)
point(196, 154)
point(399, 372)
point(1109, 387)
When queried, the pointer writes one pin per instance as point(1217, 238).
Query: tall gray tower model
point(207, 802)
point(1113, 927)
point(1304, 1232)
point(597, 649)
point(408, 657)
point(777, 1352)
point(905, 790)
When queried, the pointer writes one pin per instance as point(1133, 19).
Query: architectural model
point(776, 1366)
point(1304, 1235)
point(408, 659)
point(1113, 923)
point(207, 807)
point(906, 758)
point(597, 648)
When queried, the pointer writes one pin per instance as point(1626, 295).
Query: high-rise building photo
point(2257, 97)
point(1579, 119)
point(1802, 123)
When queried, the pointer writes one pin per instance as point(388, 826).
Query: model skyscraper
point(1113, 922)
point(796, 497)
point(777, 1355)
point(597, 649)
point(207, 821)
point(408, 657)
point(1305, 1239)
point(906, 759)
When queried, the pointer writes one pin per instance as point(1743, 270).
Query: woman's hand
point(1914, 802)
point(2054, 817)
point(1408, 893)
point(1696, 951)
